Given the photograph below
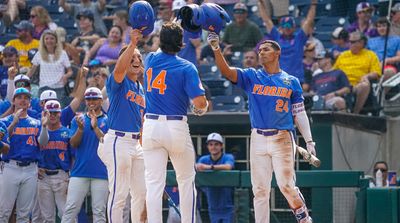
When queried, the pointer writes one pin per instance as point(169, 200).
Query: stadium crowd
point(65, 50)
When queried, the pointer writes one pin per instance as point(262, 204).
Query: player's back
point(170, 82)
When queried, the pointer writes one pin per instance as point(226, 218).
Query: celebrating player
point(54, 163)
point(88, 172)
point(122, 153)
point(170, 83)
point(18, 182)
point(275, 99)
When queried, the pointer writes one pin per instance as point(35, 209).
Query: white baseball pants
point(268, 154)
point(123, 157)
point(163, 138)
point(78, 188)
point(17, 184)
point(52, 193)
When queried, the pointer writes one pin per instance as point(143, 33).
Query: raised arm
point(76, 139)
point(93, 50)
point(264, 14)
point(308, 25)
point(44, 133)
point(80, 90)
point(67, 7)
point(229, 72)
point(124, 60)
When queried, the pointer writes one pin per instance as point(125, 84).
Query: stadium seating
point(219, 87)
point(231, 103)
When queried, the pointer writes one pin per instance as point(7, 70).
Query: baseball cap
point(20, 91)
point(85, 13)
point(310, 46)
point(239, 8)
point(22, 80)
point(10, 50)
point(396, 8)
point(24, 25)
point(215, 137)
point(94, 63)
point(363, 6)
point(52, 106)
point(287, 22)
point(178, 4)
point(93, 93)
point(48, 95)
point(340, 33)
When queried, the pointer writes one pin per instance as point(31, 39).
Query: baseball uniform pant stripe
point(115, 179)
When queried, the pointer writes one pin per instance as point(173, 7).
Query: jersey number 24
point(158, 82)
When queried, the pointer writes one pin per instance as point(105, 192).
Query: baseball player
point(88, 172)
point(4, 145)
point(170, 83)
point(18, 181)
point(275, 101)
point(122, 153)
point(219, 199)
point(54, 163)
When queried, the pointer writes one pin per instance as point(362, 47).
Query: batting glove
point(213, 40)
point(198, 111)
point(311, 147)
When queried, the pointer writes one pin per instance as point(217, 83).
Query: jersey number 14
point(158, 82)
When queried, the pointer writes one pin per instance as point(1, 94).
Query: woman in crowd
point(41, 20)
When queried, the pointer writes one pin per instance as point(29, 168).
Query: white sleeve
point(10, 89)
point(303, 125)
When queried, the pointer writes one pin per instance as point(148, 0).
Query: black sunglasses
point(383, 170)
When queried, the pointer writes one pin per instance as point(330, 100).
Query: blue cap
point(287, 22)
point(21, 90)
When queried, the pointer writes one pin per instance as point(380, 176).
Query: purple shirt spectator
point(327, 82)
point(369, 32)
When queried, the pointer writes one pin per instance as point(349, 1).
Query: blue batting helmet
point(192, 18)
point(141, 16)
point(215, 17)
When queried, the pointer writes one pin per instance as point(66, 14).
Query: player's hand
point(79, 121)
point(12, 71)
point(45, 118)
point(135, 35)
point(41, 173)
point(213, 40)
point(93, 119)
point(202, 167)
point(84, 71)
point(17, 115)
point(311, 148)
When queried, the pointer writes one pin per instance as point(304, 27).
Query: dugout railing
point(321, 202)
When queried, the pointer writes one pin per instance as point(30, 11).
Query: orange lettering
point(256, 88)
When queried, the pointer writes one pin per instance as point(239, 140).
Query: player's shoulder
point(229, 156)
point(204, 159)
point(33, 121)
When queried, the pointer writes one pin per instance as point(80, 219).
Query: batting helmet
point(192, 18)
point(215, 17)
point(141, 16)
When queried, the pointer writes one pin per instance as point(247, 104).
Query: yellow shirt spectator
point(23, 50)
point(357, 65)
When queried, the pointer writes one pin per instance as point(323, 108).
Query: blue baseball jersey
point(3, 128)
point(170, 82)
point(34, 111)
point(189, 51)
point(57, 153)
point(219, 199)
point(270, 97)
point(126, 104)
point(87, 162)
point(24, 145)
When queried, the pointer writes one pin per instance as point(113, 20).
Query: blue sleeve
point(112, 85)
point(275, 34)
point(229, 159)
point(67, 115)
point(202, 159)
point(302, 37)
point(244, 79)
point(297, 95)
point(7, 120)
point(193, 86)
point(73, 128)
point(3, 128)
point(4, 105)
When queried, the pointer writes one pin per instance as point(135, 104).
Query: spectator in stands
point(99, 78)
point(24, 42)
point(291, 40)
point(72, 52)
point(395, 20)
point(250, 59)
point(55, 68)
point(242, 33)
point(309, 62)
point(361, 67)
point(319, 46)
point(96, 7)
point(192, 44)
point(41, 21)
point(207, 54)
point(383, 167)
point(331, 84)
point(106, 49)
point(11, 12)
point(364, 23)
point(164, 14)
point(278, 8)
point(228, 5)
point(340, 40)
point(377, 44)
point(87, 36)
point(219, 199)
point(9, 59)
point(120, 19)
